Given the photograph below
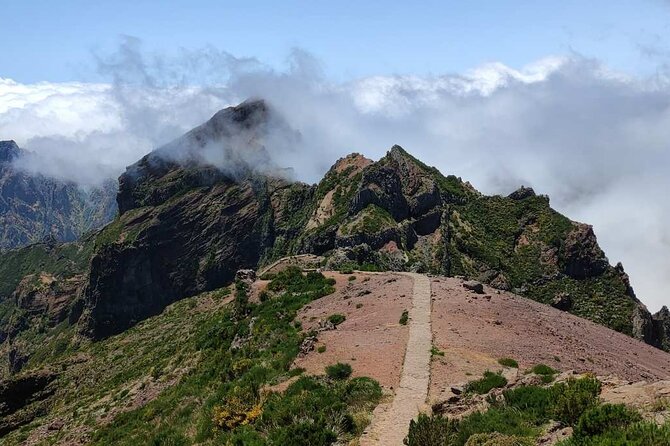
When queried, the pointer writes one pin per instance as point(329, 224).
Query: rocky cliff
point(34, 207)
point(186, 224)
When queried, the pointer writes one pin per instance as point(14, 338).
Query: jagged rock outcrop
point(9, 151)
point(22, 399)
point(582, 254)
point(562, 302)
point(34, 207)
point(661, 324)
point(46, 296)
point(521, 193)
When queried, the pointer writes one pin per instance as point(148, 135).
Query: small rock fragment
point(475, 286)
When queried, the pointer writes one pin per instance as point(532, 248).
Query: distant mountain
point(34, 208)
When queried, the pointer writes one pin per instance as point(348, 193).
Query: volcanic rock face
point(34, 207)
point(661, 324)
point(46, 296)
point(187, 226)
point(188, 222)
point(583, 256)
point(22, 399)
point(192, 243)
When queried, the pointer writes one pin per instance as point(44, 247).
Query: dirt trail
point(390, 423)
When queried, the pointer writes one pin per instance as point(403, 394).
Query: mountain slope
point(34, 207)
point(166, 380)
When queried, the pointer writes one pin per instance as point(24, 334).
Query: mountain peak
point(9, 151)
point(353, 161)
point(250, 114)
point(230, 144)
point(521, 193)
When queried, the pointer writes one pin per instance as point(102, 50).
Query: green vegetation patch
point(371, 220)
point(339, 371)
point(488, 382)
point(522, 414)
point(212, 365)
point(508, 362)
point(336, 319)
point(543, 369)
point(63, 260)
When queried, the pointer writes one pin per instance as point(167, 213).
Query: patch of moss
point(63, 260)
point(370, 221)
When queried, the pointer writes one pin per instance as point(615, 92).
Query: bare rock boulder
point(475, 286)
point(245, 275)
point(562, 301)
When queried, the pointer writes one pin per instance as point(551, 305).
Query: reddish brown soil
point(370, 339)
point(474, 333)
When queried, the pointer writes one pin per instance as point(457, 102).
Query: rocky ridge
point(186, 226)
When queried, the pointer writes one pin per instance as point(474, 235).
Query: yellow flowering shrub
point(235, 412)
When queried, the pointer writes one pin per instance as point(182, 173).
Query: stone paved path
point(389, 427)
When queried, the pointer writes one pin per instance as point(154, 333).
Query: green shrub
point(241, 306)
point(544, 370)
point(503, 420)
point(339, 371)
point(508, 362)
point(321, 349)
point(431, 431)
point(303, 433)
point(637, 434)
point(315, 408)
point(351, 278)
point(337, 319)
point(292, 280)
point(649, 434)
point(168, 437)
point(434, 351)
point(487, 383)
point(498, 439)
point(547, 379)
point(535, 401)
point(600, 419)
point(404, 318)
point(201, 407)
point(362, 390)
point(573, 397)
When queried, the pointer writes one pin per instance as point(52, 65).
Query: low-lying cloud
point(596, 141)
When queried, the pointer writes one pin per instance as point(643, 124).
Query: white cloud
point(596, 141)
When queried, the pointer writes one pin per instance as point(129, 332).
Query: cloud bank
point(596, 141)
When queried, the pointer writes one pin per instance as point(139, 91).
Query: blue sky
point(54, 41)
